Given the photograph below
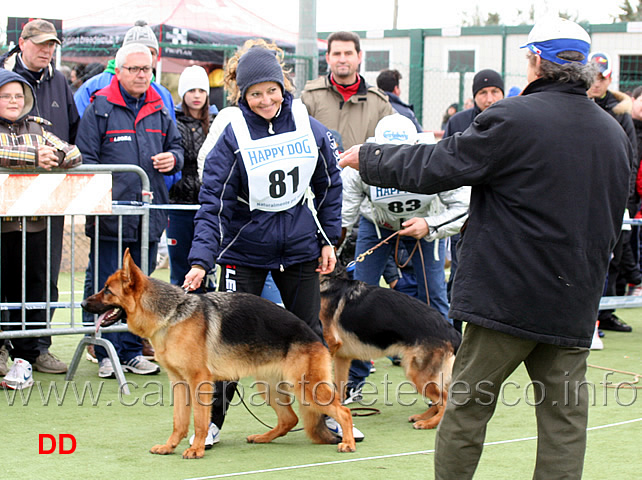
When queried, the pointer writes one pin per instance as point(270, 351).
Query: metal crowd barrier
point(90, 336)
point(81, 207)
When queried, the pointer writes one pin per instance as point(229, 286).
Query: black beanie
point(258, 65)
point(487, 78)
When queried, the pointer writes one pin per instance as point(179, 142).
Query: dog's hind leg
point(182, 411)
point(281, 402)
point(341, 371)
point(432, 387)
point(431, 417)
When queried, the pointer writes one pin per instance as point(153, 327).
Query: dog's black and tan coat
point(361, 321)
point(199, 339)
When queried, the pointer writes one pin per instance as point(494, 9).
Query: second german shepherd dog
point(226, 336)
point(362, 322)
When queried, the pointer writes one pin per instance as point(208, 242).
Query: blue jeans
point(127, 344)
point(180, 233)
point(371, 269)
point(271, 291)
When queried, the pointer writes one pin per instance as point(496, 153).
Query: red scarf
point(346, 91)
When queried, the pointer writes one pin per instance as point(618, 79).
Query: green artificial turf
point(115, 432)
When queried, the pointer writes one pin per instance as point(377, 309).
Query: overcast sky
point(355, 14)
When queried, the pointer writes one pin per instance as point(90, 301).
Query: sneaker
point(213, 436)
point(335, 428)
point(106, 369)
point(140, 366)
point(20, 376)
point(373, 369)
point(596, 343)
point(615, 324)
point(90, 356)
point(4, 360)
point(48, 363)
point(353, 395)
point(634, 290)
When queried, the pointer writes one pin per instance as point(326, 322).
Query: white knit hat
point(191, 78)
point(141, 33)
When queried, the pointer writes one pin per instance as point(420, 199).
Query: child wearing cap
point(24, 143)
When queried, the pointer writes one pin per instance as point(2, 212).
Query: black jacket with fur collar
point(620, 106)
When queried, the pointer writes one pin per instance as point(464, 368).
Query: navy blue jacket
point(404, 109)
point(460, 121)
point(226, 231)
point(110, 133)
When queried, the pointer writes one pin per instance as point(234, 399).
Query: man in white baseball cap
point(548, 196)
point(623, 268)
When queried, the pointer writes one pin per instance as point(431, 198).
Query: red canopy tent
point(189, 31)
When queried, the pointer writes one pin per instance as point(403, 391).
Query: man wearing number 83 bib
point(383, 211)
point(271, 194)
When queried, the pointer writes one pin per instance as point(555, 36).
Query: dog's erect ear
point(130, 272)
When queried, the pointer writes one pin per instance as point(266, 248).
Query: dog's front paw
point(192, 452)
point(426, 424)
point(258, 438)
point(346, 447)
point(162, 449)
point(415, 418)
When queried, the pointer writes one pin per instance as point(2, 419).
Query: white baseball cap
point(603, 62)
point(396, 129)
point(553, 35)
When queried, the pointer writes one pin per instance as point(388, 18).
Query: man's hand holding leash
point(350, 158)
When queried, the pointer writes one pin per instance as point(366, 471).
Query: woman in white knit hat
point(193, 118)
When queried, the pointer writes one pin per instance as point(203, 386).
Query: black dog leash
point(356, 412)
point(362, 256)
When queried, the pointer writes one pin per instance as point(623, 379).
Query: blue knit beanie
point(258, 65)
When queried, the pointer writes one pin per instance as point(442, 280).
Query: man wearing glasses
point(127, 124)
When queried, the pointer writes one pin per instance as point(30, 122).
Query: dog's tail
point(315, 427)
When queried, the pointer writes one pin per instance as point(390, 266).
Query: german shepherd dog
point(362, 321)
point(200, 339)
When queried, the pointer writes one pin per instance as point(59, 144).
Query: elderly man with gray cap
point(32, 59)
point(549, 172)
point(142, 34)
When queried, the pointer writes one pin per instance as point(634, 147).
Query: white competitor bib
point(398, 203)
point(279, 167)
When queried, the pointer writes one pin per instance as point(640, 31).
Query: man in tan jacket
point(342, 100)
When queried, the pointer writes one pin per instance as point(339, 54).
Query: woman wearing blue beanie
point(270, 198)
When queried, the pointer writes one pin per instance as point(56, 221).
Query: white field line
point(379, 457)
